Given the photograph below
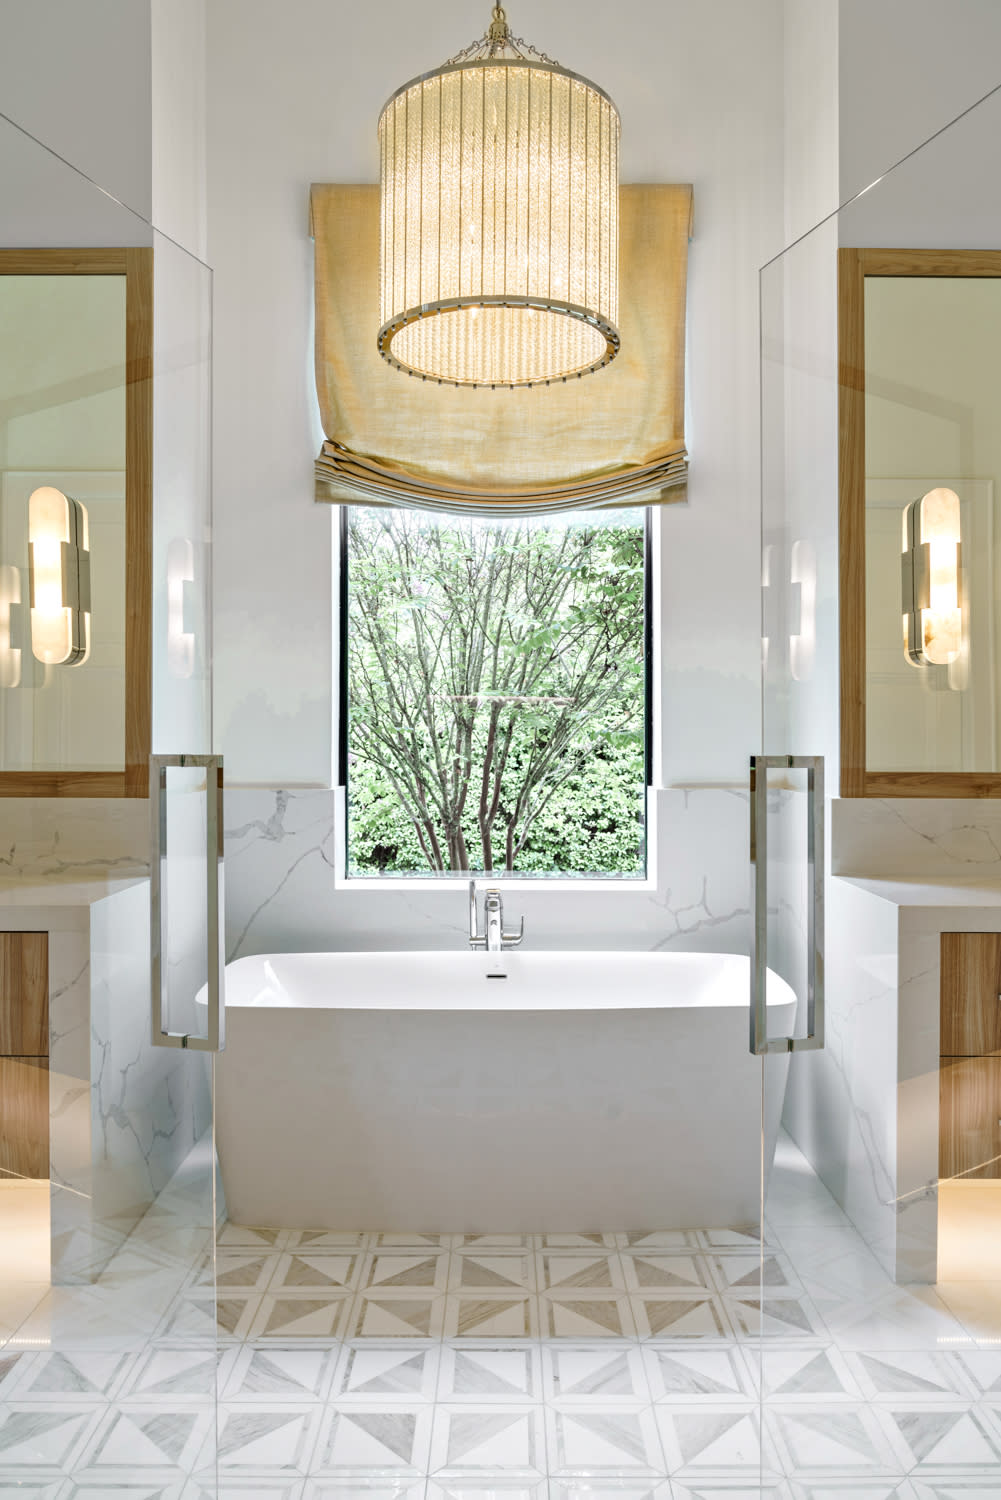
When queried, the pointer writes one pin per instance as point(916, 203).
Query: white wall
point(77, 76)
point(907, 67)
point(177, 144)
point(294, 94)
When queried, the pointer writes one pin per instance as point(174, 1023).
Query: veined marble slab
point(928, 837)
point(283, 891)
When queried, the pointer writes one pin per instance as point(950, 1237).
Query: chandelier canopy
point(499, 219)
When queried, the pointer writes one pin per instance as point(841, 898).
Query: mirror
point(74, 390)
point(920, 531)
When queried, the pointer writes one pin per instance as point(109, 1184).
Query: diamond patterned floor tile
point(376, 1440)
point(592, 1440)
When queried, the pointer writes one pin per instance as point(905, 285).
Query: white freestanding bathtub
point(516, 1091)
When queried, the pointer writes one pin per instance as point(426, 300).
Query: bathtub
point(472, 1092)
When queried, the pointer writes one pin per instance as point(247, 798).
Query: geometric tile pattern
point(595, 1366)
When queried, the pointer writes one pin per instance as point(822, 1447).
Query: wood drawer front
point(24, 994)
point(24, 1116)
point(971, 979)
point(969, 1135)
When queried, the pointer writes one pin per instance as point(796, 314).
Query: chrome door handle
point(814, 1039)
point(215, 1040)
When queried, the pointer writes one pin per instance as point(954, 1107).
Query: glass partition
point(108, 1197)
point(881, 1205)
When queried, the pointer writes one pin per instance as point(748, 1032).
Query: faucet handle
point(476, 939)
point(512, 939)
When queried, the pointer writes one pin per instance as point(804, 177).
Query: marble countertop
point(39, 893)
point(958, 891)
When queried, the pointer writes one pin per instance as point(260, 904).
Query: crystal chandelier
point(499, 228)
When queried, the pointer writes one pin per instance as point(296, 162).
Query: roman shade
point(613, 438)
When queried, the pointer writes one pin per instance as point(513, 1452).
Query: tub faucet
point(494, 939)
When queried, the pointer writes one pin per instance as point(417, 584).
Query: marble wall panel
point(916, 837)
point(283, 892)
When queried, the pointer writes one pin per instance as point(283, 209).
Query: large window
point(495, 708)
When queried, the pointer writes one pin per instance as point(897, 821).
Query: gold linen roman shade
point(613, 438)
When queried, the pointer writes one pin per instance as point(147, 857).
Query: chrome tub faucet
point(494, 939)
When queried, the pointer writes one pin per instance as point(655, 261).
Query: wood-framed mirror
point(76, 475)
point(919, 525)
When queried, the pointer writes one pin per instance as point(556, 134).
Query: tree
point(493, 669)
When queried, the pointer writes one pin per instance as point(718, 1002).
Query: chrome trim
point(501, 62)
point(760, 1042)
point(215, 1040)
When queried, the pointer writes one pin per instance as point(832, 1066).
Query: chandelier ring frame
point(389, 330)
point(536, 64)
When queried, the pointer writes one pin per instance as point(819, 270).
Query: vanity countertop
point(42, 893)
point(967, 890)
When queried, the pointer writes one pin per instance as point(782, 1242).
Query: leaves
point(495, 687)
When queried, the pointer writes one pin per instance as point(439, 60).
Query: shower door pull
point(215, 1038)
point(814, 1039)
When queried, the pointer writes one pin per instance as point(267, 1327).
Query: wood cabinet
point(24, 1053)
point(970, 1056)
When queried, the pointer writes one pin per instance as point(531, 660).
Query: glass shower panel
point(108, 1198)
point(875, 1348)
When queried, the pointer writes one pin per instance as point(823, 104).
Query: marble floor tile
point(491, 1314)
point(301, 1314)
point(327, 1241)
point(469, 1440)
point(362, 1488)
point(276, 1374)
point(385, 1370)
point(200, 1317)
point(490, 1372)
point(847, 1487)
point(256, 1438)
point(802, 1373)
point(957, 1486)
point(648, 1271)
point(566, 1270)
point(171, 1372)
point(233, 1236)
point(944, 1436)
point(250, 1487)
point(677, 1316)
point(316, 1270)
point(51, 1376)
point(768, 1272)
point(774, 1315)
point(54, 1437)
point(912, 1375)
point(747, 1237)
point(604, 1440)
point(492, 1270)
point(237, 1269)
point(11, 1488)
point(137, 1439)
point(396, 1314)
point(487, 1487)
point(899, 1319)
point(379, 1439)
point(589, 1488)
point(723, 1439)
point(981, 1368)
point(659, 1239)
point(501, 1242)
point(411, 1241)
point(593, 1241)
point(822, 1439)
point(686, 1373)
point(586, 1314)
point(594, 1374)
point(386, 1270)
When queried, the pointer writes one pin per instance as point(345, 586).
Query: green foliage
point(495, 685)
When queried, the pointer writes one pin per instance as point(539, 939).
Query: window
point(495, 693)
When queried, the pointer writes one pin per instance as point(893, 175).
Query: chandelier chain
point(497, 41)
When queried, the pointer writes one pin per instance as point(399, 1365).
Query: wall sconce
point(181, 603)
point(931, 580)
point(59, 575)
point(10, 638)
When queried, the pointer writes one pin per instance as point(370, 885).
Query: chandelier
point(499, 219)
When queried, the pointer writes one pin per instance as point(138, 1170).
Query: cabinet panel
point(24, 994)
point(971, 979)
point(969, 1115)
point(24, 1116)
